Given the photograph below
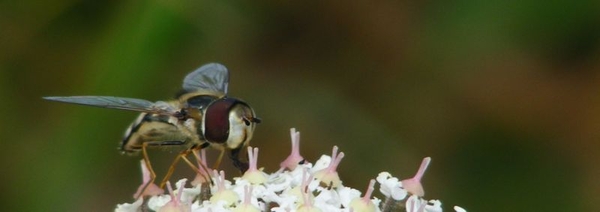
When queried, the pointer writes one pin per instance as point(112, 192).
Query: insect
point(201, 116)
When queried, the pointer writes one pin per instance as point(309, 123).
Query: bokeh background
point(504, 96)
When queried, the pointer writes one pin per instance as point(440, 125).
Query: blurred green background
point(504, 96)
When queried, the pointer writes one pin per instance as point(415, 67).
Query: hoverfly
point(201, 116)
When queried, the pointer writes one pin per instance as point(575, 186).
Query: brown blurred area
point(503, 96)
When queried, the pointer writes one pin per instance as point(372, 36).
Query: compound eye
point(216, 120)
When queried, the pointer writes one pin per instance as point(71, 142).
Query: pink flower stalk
point(223, 194)
point(203, 176)
point(329, 175)
point(175, 205)
point(246, 205)
point(294, 158)
point(364, 204)
point(253, 175)
point(413, 185)
point(307, 196)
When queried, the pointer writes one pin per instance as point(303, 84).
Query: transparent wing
point(212, 76)
point(118, 103)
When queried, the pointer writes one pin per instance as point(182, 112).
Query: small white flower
point(322, 163)
point(415, 204)
point(130, 207)
point(435, 206)
point(328, 197)
point(391, 186)
point(156, 202)
point(298, 186)
point(347, 194)
point(459, 209)
point(278, 182)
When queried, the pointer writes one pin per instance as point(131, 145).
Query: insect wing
point(212, 76)
point(118, 103)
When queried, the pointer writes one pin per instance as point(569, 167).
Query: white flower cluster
point(297, 186)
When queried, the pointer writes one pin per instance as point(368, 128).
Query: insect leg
point(218, 162)
point(189, 163)
point(145, 146)
point(150, 169)
point(184, 153)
